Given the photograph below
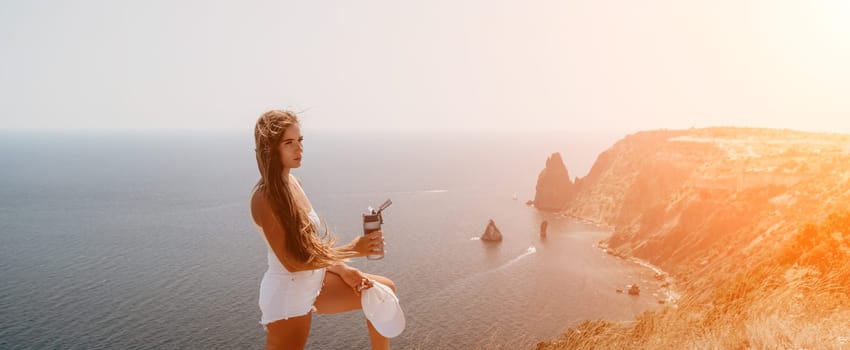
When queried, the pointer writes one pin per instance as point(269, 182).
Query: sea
point(128, 239)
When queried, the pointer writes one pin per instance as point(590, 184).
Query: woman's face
point(290, 147)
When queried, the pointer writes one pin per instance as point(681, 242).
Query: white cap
point(381, 307)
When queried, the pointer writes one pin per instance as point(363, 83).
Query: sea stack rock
point(491, 233)
point(543, 226)
point(554, 186)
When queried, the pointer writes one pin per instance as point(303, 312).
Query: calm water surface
point(144, 240)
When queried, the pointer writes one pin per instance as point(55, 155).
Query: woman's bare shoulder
point(259, 206)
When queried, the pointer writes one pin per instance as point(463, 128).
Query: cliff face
point(755, 225)
point(630, 177)
point(554, 187)
point(699, 199)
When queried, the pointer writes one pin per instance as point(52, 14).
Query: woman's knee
point(385, 281)
point(390, 283)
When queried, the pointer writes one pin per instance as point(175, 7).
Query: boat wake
point(531, 250)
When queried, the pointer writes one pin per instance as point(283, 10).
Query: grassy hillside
point(741, 219)
point(798, 297)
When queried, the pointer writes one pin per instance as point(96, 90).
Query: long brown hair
point(302, 239)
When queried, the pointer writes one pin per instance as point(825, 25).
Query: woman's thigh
point(337, 296)
point(291, 333)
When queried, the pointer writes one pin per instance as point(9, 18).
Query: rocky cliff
point(754, 224)
point(491, 233)
point(554, 187)
point(708, 199)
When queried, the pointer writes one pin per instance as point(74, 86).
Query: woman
point(306, 273)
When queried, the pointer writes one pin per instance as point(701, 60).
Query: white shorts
point(289, 294)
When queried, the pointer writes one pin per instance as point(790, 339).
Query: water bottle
point(372, 221)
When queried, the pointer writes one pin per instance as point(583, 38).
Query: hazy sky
point(581, 64)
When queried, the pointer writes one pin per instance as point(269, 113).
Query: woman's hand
point(368, 244)
point(355, 279)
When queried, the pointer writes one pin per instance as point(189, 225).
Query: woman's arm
point(262, 213)
point(339, 268)
point(363, 245)
point(348, 248)
point(353, 277)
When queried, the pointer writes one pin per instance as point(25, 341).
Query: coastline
point(693, 205)
point(667, 288)
point(667, 292)
point(584, 220)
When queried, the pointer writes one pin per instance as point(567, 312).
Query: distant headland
point(732, 214)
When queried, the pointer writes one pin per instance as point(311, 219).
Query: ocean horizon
point(144, 240)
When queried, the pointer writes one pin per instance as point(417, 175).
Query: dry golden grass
point(798, 298)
